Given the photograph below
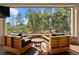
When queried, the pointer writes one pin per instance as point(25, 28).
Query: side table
point(37, 43)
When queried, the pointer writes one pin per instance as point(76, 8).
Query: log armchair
point(16, 44)
point(55, 44)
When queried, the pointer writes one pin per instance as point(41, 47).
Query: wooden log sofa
point(55, 44)
point(16, 44)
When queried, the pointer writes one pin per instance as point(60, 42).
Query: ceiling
point(15, 5)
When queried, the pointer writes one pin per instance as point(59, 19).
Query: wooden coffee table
point(37, 43)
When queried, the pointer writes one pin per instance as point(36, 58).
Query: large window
point(39, 20)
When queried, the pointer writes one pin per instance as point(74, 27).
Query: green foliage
point(61, 20)
point(46, 21)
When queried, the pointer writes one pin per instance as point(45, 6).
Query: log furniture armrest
point(45, 37)
point(26, 41)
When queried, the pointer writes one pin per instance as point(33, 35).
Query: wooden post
point(72, 22)
point(2, 29)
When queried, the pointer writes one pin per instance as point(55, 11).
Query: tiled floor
point(32, 51)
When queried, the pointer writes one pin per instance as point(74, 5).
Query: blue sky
point(23, 11)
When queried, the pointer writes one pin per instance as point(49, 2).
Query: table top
point(37, 40)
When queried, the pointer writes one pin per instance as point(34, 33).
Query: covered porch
point(74, 41)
